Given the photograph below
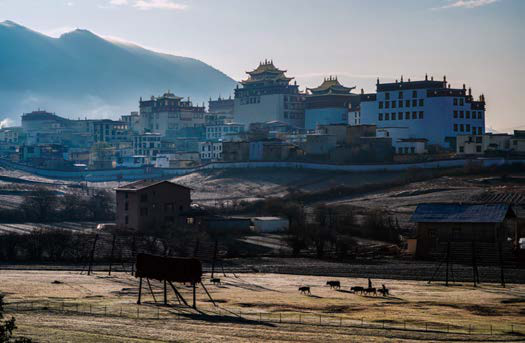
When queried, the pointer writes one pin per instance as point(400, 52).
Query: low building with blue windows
point(428, 109)
point(329, 104)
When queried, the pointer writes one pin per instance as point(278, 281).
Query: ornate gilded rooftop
point(266, 72)
point(330, 85)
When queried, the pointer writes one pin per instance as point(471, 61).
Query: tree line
point(42, 205)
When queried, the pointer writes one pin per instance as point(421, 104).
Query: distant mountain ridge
point(82, 74)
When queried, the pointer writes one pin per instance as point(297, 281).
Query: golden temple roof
point(330, 85)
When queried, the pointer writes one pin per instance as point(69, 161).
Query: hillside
point(81, 73)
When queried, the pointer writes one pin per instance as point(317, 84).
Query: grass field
point(67, 306)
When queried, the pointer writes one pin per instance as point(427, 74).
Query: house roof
point(460, 213)
point(142, 184)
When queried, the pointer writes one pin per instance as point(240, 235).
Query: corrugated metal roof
point(137, 185)
point(460, 213)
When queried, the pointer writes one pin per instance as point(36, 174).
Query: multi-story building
point(268, 95)
point(109, 131)
point(481, 144)
point(147, 204)
point(225, 131)
point(132, 120)
point(210, 151)
point(329, 103)
point(147, 144)
point(221, 106)
point(168, 114)
point(429, 109)
point(11, 135)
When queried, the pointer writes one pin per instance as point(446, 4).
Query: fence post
point(320, 320)
point(260, 316)
point(158, 313)
point(383, 323)
point(105, 311)
point(280, 317)
point(121, 311)
point(62, 306)
point(300, 321)
point(340, 321)
point(89, 308)
point(511, 328)
point(426, 326)
point(361, 322)
point(137, 312)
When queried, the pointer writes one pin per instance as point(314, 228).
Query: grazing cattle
point(304, 290)
point(215, 281)
point(334, 284)
point(383, 290)
point(357, 289)
point(370, 290)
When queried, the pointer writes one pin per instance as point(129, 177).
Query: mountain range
point(82, 74)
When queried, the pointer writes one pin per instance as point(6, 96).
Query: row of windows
point(466, 114)
point(459, 101)
point(399, 116)
point(251, 100)
point(400, 95)
point(400, 103)
point(406, 150)
point(466, 128)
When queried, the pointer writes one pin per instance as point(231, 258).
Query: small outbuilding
point(270, 224)
point(486, 226)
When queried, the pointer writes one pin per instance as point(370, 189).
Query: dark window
point(474, 131)
point(480, 115)
point(143, 198)
point(420, 114)
point(387, 116)
point(407, 115)
point(394, 116)
point(414, 103)
point(400, 103)
point(143, 211)
point(393, 104)
point(180, 208)
point(478, 148)
point(126, 195)
point(467, 114)
point(414, 115)
point(455, 114)
point(407, 103)
point(400, 116)
point(414, 94)
point(461, 114)
point(387, 104)
point(126, 220)
point(478, 139)
point(455, 102)
point(461, 128)
point(412, 149)
point(126, 206)
point(380, 104)
point(380, 116)
point(467, 127)
point(455, 127)
point(400, 95)
point(387, 96)
point(480, 131)
point(461, 149)
point(421, 102)
point(461, 102)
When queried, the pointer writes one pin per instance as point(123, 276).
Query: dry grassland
point(259, 307)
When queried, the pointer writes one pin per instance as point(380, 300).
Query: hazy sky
point(477, 42)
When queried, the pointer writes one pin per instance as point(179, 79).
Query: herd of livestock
point(335, 284)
